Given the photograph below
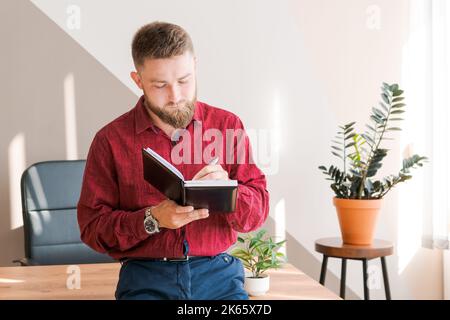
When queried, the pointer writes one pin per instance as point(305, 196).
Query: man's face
point(169, 87)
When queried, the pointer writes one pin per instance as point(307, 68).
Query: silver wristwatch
point(151, 225)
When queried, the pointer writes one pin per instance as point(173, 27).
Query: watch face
point(150, 225)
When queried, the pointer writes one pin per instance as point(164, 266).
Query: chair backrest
point(50, 192)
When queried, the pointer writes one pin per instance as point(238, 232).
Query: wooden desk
point(98, 281)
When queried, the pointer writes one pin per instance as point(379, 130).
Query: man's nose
point(174, 94)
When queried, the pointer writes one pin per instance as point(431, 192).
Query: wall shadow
point(37, 57)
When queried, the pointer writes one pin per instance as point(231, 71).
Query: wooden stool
point(335, 248)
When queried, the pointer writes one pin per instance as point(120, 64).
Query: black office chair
point(50, 192)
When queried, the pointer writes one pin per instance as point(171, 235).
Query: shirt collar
point(143, 120)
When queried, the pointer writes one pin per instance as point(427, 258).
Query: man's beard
point(178, 117)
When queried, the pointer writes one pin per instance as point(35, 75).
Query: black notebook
point(215, 195)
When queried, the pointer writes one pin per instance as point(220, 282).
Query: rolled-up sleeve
point(252, 205)
point(103, 226)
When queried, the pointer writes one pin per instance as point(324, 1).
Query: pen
point(214, 161)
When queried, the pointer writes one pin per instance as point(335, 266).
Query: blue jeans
point(208, 278)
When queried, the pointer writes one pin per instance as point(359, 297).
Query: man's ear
point(137, 79)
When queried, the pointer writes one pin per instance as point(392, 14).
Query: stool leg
point(387, 289)
point(366, 287)
point(323, 271)
point(343, 275)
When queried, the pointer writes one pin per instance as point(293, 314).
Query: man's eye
point(160, 87)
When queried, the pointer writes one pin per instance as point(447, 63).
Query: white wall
point(296, 68)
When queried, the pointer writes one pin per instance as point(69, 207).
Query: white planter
point(257, 286)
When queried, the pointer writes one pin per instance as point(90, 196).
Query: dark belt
point(165, 259)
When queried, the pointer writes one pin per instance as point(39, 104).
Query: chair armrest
point(23, 262)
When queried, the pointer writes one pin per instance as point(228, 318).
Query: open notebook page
point(166, 163)
point(211, 183)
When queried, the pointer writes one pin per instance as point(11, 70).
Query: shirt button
point(226, 259)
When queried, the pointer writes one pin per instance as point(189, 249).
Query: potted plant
point(358, 194)
point(258, 254)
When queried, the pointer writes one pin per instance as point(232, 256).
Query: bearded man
point(167, 251)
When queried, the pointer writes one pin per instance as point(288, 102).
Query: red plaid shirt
point(114, 194)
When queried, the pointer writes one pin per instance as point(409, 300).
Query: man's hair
point(158, 40)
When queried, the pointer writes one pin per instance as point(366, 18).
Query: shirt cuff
point(138, 223)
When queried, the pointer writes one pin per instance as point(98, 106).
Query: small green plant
point(362, 155)
point(259, 253)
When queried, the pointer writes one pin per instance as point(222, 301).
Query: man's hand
point(172, 216)
point(211, 172)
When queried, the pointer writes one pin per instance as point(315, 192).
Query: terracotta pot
point(357, 219)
